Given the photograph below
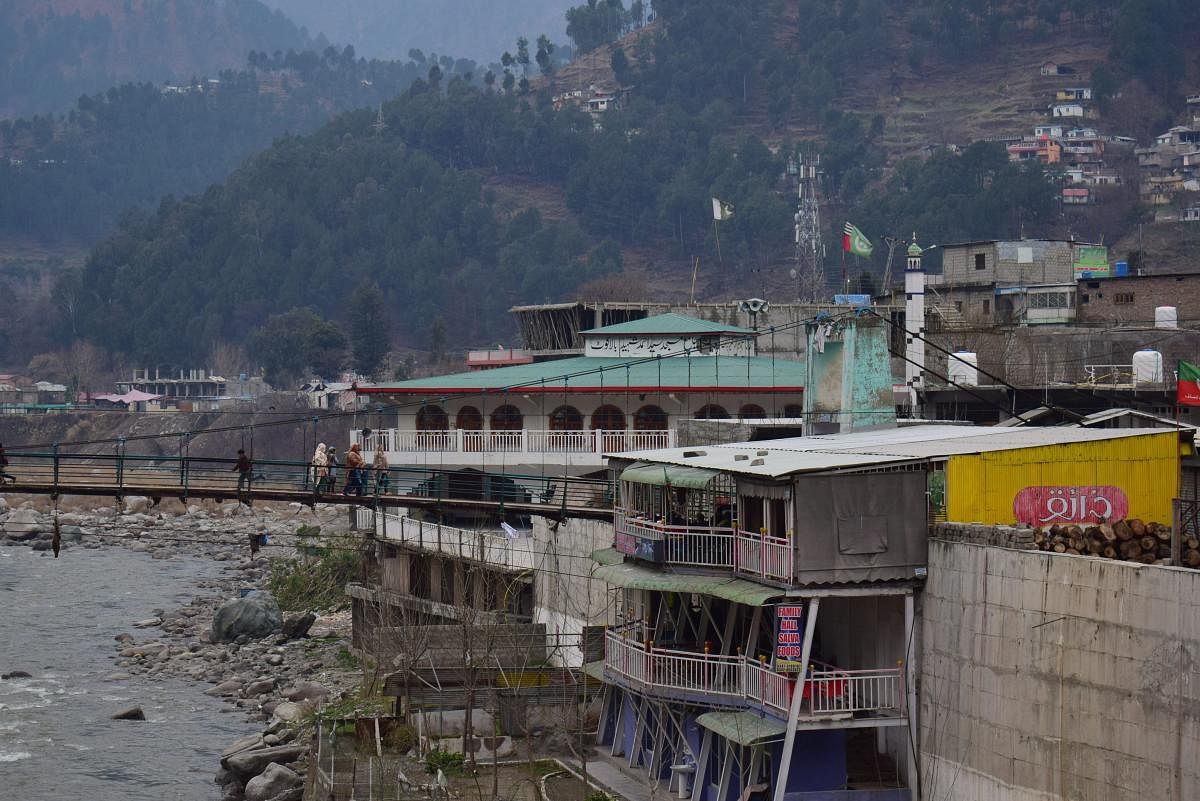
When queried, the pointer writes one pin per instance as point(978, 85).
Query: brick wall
point(1133, 299)
point(1046, 676)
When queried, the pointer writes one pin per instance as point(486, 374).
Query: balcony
point(492, 548)
point(460, 446)
point(740, 682)
point(755, 555)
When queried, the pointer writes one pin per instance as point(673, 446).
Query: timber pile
point(1127, 540)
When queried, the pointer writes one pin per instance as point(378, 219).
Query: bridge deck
point(183, 477)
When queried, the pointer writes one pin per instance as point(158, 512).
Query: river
point(58, 621)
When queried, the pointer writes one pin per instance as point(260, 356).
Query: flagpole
point(695, 269)
point(717, 234)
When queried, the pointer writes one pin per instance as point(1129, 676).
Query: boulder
point(291, 711)
point(137, 505)
point(23, 524)
point(306, 691)
point(132, 713)
point(294, 794)
point(297, 626)
point(255, 616)
point(259, 687)
point(226, 689)
point(70, 533)
point(149, 622)
point(16, 674)
point(247, 764)
point(247, 743)
point(272, 782)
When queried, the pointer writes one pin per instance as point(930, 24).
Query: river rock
point(291, 711)
point(70, 533)
point(272, 782)
point(306, 691)
point(16, 674)
point(294, 794)
point(137, 504)
point(297, 626)
point(23, 524)
point(248, 764)
point(247, 743)
point(149, 622)
point(259, 687)
point(226, 689)
point(133, 713)
point(255, 616)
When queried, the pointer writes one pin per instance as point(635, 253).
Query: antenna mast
point(810, 249)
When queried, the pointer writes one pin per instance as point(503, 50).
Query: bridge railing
point(146, 472)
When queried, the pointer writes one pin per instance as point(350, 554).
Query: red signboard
point(1046, 506)
point(789, 636)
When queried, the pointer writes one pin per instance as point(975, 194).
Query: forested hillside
point(53, 51)
point(724, 94)
point(68, 178)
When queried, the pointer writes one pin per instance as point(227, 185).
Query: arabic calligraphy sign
point(1045, 506)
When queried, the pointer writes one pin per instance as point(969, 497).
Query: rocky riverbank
point(273, 667)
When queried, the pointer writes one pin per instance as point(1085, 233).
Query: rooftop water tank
point(1121, 269)
point(1166, 317)
point(1147, 367)
point(963, 368)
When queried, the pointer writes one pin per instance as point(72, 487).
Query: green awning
point(636, 577)
point(743, 728)
point(668, 474)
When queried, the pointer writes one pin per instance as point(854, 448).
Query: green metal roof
point(743, 728)
point(670, 323)
point(603, 374)
point(634, 576)
point(674, 475)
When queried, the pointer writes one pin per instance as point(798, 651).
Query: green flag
point(855, 241)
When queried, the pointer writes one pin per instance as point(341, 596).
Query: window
point(958, 306)
point(608, 418)
point(566, 418)
point(1122, 298)
point(469, 419)
point(432, 418)
point(507, 418)
point(987, 307)
point(751, 411)
point(1050, 300)
point(650, 418)
point(793, 410)
point(712, 411)
point(980, 261)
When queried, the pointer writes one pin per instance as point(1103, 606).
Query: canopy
point(672, 475)
point(743, 728)
point(633, 576)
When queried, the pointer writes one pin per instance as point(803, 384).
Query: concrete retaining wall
point(566, 596)
point(1048, 676)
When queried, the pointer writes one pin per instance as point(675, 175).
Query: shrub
point(449, 763)
point(316, 581)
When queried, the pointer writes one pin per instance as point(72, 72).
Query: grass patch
point(448, 763)
point(315, 581)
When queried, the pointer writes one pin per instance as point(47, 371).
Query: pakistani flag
point(721, 210)
point(855, 241)
point(1187, 387)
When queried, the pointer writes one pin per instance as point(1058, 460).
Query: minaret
point(914, 342)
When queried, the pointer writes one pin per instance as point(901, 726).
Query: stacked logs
point(1128, 540)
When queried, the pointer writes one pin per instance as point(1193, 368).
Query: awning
point(636, 577)
point(743, 728)
point(668, 475)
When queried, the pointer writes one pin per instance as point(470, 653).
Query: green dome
point(914, 249)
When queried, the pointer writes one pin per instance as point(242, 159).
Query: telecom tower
point(810, 249)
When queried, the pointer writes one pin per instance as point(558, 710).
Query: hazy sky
point(476, 29)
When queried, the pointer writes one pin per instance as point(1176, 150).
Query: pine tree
point(368, 328)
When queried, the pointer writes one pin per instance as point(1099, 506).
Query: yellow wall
point(980, 488)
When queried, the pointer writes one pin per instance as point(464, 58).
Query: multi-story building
point(633, 383)
point(767, 594)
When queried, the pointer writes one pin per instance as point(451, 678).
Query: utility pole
point(810, 249)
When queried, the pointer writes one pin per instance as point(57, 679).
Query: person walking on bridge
point(382, 478)
point(4, 474)
point(243, 467)
point(320, 467)
point(355, 464)
point(332, 468)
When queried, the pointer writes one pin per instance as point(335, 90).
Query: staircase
point(866, 769)
point(944, 318)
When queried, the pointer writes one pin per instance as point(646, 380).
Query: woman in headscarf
point(382, 479)
point(320, 465)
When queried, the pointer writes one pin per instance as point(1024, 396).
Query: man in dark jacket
point(243, 468)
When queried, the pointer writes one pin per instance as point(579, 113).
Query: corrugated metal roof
point(782, 457)
point(634, 576)
point(596, 374)
point(744, 728)
point(669, 474)
point(669, 323)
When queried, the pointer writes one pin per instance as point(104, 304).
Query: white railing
point(392, 440)
point(765, 556)
point(835, 692)
point(490, 547)
point(692, 546)
point(829, 692)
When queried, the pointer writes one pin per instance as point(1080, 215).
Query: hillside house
point(1193, 106)
point(1051, 131)
point(1191, 214)
point(1067, 111)
point(1073, 94)
point(1132, 299)
point(1053, 68)
point(1045, 150)
point(1077, 196)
